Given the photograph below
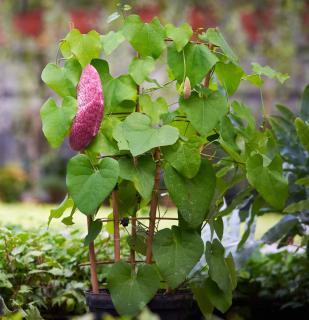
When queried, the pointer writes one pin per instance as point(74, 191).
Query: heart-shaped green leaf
point(176, 251)
point(192, 196)
point(214, 36)
point(181, 36)
point(84, 47)
point(120, 94)
point(142, 137)
point(139, 69)
point(62, 80)
point(153, 109)
point(88, 185)
point(268, 180)
point(141, 173)
point(146, 38)
point(205, 112)
point(194, 62)
point(184, 156)
point(56, 121)
point(132, 291)
point(229, 75)
point(218, 268)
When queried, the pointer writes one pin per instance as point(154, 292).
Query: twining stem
point(116, 225)
point(153, 206)
point(92, 258)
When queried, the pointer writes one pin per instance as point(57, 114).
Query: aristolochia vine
point(198, 149)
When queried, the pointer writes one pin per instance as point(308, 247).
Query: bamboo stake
point(92, 259)
point(153, 207)
point(116, 226)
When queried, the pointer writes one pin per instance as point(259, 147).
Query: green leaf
point(59, 211)
point(141, 172)
point(200, 294)
point(146, 38)
point(89, 186)
point(62, 80)
point(111, 41)
point(56, 121)
point(127, 197)
point(176, 252)
point(184, 156)
point(142, 137)
point(205, 112)
point(118, 135)
point(254, 79)
point(68, 221)
point(194, 62)
point(220, 299)
point(232, 269)
point(120, 94)
point(218, 269)
point(94, 230)
point(103, 71)
point(268, 180)
point(286, 112)
point(140, 68)
point(303, 181)
point(84, 47)
point(269, 72)
point(215, 37)
point(131, 291)
point(244, 112)
point(229, 76)
point(153, 109)
point(104, 142)
point(297, 206)
point(181, 36)
point(138, 243)
point(280, 229)
point(302, 129)
point(304, 108)
point(228, 132)
point(218, 226)
point(192, 196)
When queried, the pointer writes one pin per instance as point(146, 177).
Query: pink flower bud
point(187, 88)
point(90, 109)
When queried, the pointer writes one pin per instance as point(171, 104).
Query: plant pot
point(179, 305)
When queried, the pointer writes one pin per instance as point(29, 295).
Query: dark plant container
point(179, 305)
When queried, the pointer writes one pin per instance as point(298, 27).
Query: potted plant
point(129, 143)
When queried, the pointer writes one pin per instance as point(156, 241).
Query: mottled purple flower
point(90, 109)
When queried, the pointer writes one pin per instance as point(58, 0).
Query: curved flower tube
point(90, 109)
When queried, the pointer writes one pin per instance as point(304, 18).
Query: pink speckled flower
point(90, 109)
